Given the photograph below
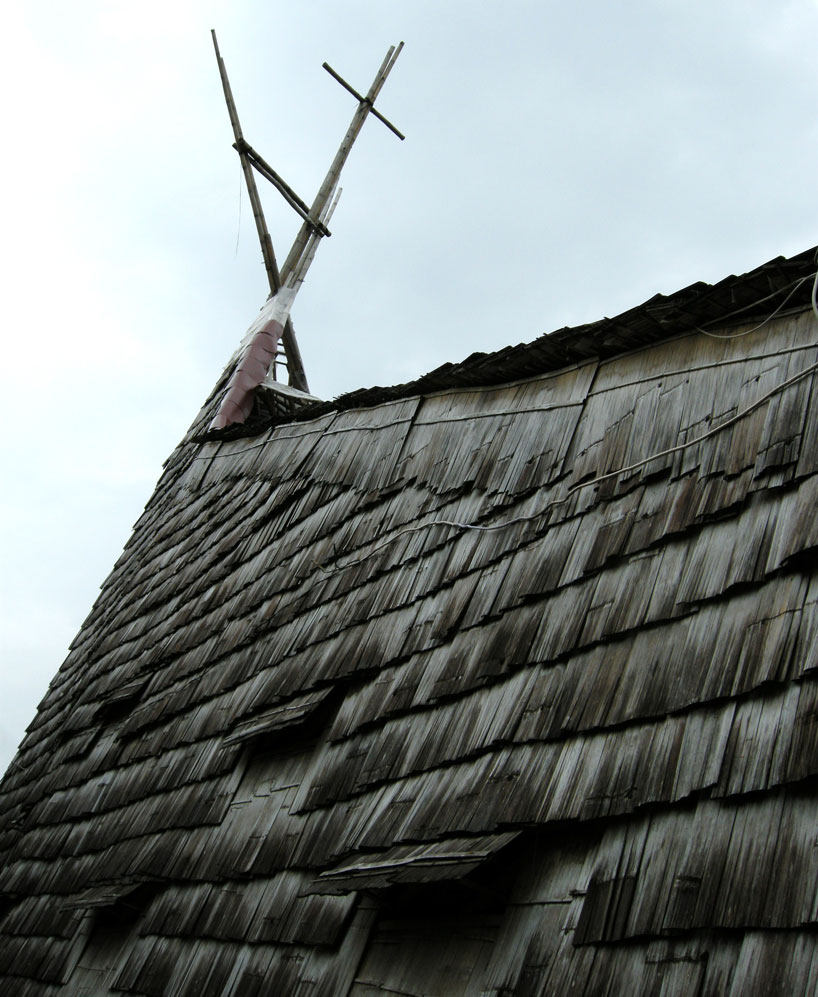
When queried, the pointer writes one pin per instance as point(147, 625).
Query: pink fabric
point(250, 372)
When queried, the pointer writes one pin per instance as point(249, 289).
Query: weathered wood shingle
point(500, 682)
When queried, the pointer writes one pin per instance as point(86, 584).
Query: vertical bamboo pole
point(295, 365)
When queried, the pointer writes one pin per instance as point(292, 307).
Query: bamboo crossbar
point(365, 105)
point(361, 99)
point(296, 203)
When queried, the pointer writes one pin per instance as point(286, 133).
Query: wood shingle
point(499, 682)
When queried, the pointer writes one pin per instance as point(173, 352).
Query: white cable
point(738, 335)
point(793, 288)
point(602, 477)
point(815, 294)
point(592, 481)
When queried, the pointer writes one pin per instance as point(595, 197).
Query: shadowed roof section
point(504, 681)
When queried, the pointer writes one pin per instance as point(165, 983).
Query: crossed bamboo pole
point(313, 226)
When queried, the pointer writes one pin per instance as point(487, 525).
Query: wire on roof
point(814, 296)
point(454, 524)
point(793, 288)
point(592, 481)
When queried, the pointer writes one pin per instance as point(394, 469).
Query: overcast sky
point(563, 161)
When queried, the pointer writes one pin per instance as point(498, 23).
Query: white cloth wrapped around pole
point(257, 357)
point(260, 344)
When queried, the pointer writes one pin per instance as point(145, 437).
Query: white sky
point(563, 161)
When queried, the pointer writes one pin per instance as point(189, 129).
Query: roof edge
point(732, 301)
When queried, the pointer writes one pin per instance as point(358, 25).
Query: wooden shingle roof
point(500, 682)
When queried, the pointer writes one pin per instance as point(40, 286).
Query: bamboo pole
point(359, 97)
point(296, 203)
point(334, 172)
point(295, 365)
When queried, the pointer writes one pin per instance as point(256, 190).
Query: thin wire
point(592, 481)
point(622, 470)
point(238, 226)
point(455, 524)
point(760, 301)
point(794, 287)
point(815, 294)
point(738, 335)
